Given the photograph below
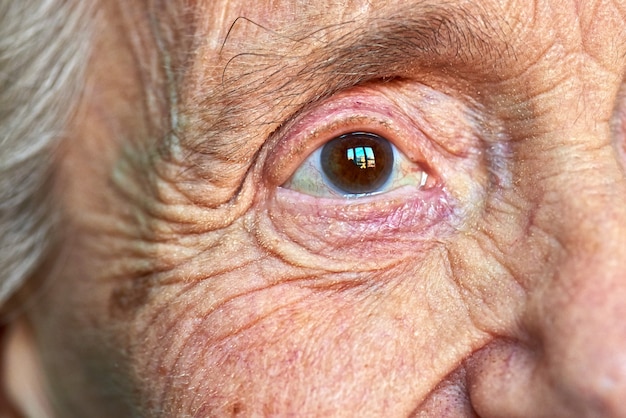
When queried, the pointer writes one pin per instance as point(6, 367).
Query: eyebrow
point(293, 70)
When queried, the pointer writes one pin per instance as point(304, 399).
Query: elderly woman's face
point(363, 209)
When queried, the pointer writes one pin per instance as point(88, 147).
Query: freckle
point(237, 409)
point(163, 371)
point(129, 297)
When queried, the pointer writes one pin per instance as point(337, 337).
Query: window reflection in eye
point(355, 164)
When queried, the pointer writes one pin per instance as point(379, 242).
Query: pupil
point(357, 162)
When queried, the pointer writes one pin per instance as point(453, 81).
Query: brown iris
point(357, 162)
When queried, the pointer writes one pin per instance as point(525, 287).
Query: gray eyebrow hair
point(300, 67)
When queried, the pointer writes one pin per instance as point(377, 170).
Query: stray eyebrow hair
point(281, 73)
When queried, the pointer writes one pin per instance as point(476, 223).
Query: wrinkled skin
point(192, 284)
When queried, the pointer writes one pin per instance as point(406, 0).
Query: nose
point(579, 323)
point(571, 361)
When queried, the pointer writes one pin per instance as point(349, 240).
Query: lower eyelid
point(345, 230)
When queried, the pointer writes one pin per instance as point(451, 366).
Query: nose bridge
point(579, 309)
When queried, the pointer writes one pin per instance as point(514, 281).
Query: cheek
point(81, 348)
point(272, 337)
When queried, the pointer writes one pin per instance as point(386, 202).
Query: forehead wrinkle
point(280, 73)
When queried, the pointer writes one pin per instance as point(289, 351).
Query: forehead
point(519, 31)
point(579, 16)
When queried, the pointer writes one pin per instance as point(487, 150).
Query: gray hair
point(43, 52)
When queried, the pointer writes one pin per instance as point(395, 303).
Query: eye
point(358, 162)
point(353, 165)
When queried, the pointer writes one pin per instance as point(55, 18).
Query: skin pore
point(196, 281)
